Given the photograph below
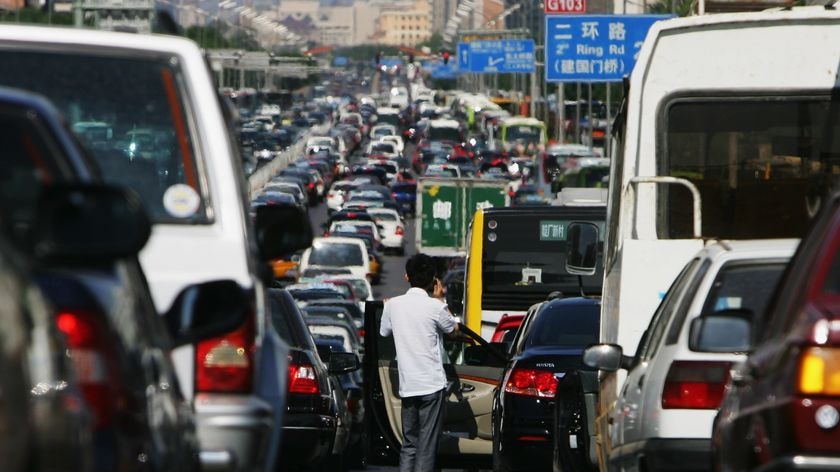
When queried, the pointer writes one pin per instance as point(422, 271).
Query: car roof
point(749, 249)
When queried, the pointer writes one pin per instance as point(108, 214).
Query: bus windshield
point(761, 165)
point(525, 134)
point(524, 256)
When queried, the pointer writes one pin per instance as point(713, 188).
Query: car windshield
point(336, 254)
point(146, 143)
point(383, 147)
point(444, 133)
point(572, 325)
point(525, 134)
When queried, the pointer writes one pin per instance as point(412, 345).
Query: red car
point(506, 328)
point(781, 409)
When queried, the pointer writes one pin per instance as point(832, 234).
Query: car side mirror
point(606, 357)
point(722, 331)
point(281, 230)
point(89, 221)
point(343, 362)
point(207, 310)
point(581, 248)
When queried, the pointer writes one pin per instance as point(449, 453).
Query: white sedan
point(392, 228)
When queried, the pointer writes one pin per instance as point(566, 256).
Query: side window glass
point(682, 311)
point(666, 309)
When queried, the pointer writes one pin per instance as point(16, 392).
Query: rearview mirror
point(343, 362)
point(206, 310)
point(88, 221)
point(581, 248)
point(281, 230)
point(606, 357)
point(721, 331)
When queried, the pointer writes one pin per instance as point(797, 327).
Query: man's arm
point(385, 322)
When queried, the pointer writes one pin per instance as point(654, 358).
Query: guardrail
point(264, 174)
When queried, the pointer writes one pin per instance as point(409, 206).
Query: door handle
point(467, 388)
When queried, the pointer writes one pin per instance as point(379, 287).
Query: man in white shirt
point(418, 322)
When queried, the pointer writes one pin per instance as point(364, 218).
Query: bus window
point(523, 257)
point(760, 165)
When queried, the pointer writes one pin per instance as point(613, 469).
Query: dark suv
point(82, 239)
point(781, 409)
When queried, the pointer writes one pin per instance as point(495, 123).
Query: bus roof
point(522, 121)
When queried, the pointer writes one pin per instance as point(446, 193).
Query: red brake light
point(695, 385)
point(302, 379)
point(361, 332)
point(400, 231)
point(93, 358)
point(394, 194)
point(310, 186)
point(225, 364)
point(532, 383)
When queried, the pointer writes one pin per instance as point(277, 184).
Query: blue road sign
point(594, 48)
point(444, 71)
point(463, 56)
point(499, 56)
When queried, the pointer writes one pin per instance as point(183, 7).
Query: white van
point(727, 131)
point(192, 186)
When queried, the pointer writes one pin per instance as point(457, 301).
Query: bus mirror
point(581, 248)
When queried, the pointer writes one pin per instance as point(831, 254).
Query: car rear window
point(565, 325)
point(748, 286)
point(336, 254)
point(384, 216)
point(130, 114)
point(404, 188)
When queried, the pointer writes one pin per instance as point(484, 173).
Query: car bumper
point(307, 439)
point(527, 455)
point(393, 243)
point(803, 463)
point(233, 431)
point(667, 454)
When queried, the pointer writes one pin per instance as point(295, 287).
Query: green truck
point(445, 208)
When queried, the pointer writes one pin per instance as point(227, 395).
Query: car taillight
point(695, 385)
point(330, 195)
point(532, 383)
point(303, 379)
point(819, 371)
point(361, 333)
point(225, 364)
point(399, 231)
point(310, 186)
point(394, 195)
point(93, 358)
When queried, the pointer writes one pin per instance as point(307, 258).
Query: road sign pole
point(609, 125)
point(561, 112)
point(590, 117)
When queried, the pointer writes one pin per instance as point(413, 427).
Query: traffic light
point(378, 57)
point(445, 56)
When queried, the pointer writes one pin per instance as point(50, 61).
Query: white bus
point(730, 129)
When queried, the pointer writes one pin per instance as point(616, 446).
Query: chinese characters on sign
point(442, 210)
point(594, 47)
point(497, 56)
point(551, 230)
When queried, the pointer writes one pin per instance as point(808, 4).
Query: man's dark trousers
point(422, 417)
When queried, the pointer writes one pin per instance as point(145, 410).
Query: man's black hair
point(421, 270)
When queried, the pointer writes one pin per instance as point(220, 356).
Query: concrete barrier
point(258, 180)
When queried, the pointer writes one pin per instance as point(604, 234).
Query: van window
point(146, 144)
point(336, 254)
point(761, 164)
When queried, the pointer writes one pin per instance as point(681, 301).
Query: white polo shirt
point(418, 323)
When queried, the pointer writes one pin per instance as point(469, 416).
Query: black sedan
point(312, 415)
point(546, 348)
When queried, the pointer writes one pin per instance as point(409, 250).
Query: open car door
point(473, 369)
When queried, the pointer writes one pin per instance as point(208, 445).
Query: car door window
point(665, 310)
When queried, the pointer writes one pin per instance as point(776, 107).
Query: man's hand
point(438, 290)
